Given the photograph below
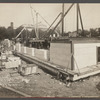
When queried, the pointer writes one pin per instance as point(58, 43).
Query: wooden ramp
point(87, 72)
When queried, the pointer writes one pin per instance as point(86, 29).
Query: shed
point(75, 53)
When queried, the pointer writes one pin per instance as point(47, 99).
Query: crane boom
point(20, 33)
point(46, 20)
point(62, 17)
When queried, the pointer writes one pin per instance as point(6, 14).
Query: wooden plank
point(53, 65)
point(88, 69)
point(41, 62)
point(19, 92)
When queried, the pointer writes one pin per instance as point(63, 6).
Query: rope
point(76, 63)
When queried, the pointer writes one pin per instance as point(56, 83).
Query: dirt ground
point(44, 85)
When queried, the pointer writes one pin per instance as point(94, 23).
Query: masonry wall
point(18, 47)
point(23, 49)
point(42, 54)
point(30, 51)
point(39, 53)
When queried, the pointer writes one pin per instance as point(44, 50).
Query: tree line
point(92, 32)
point(9, 33)
point(6, 33)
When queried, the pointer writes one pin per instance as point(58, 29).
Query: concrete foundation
point(30, 51)
point(18, 47)
point(42, 54)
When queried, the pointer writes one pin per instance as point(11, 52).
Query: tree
point(3, 33)
point(94, 33)
point(85, 33)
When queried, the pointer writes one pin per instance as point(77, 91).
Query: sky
point(20, 13)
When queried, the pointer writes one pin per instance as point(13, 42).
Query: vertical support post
point(77, 17)
point(22, 38)
point(80, 17)
point(37, 35)
point(62, 19)
point(32, 14)
point(26, 36)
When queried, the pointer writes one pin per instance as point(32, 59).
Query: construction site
point(41, 61)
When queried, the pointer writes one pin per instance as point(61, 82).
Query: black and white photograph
point(49, 50)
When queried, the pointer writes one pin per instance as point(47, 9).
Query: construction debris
point(3, 56)
point(25, 80)
point(12, 62)
point(28, 69)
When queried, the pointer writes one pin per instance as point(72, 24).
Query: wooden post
point(37, 34)
point(77, 17)
point(62, 19)
point(80, 18)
